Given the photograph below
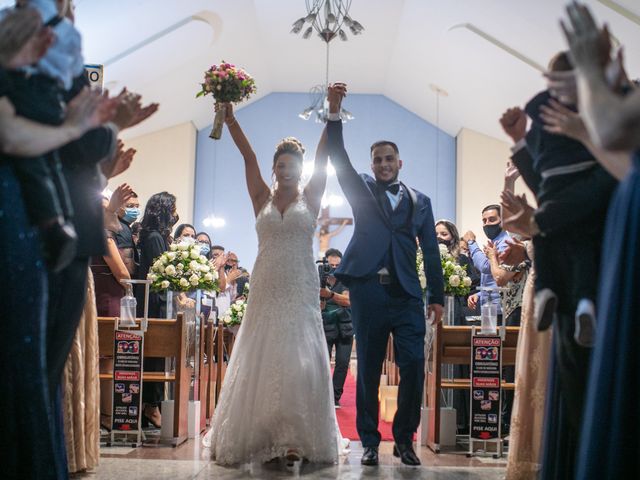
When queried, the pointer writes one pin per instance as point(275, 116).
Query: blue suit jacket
point(374, 235)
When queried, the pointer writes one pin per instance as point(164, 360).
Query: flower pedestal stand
point(189, 303)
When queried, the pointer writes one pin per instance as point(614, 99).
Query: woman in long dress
point(276, 400)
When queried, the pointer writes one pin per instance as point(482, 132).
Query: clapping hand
point(130, 111)
point(514, 254)
point(220, 261)
point(90, 109)
point(560, 120)
point(511, 173)
point(121, 162)
point(490, 250)
point(469, 237)
point(521, 218)
point(472, 301)
point(514, 123)
point(234, 274)
point(589, 46)
point(120, 197)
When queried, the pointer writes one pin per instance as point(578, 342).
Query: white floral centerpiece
point(235, 314)
point(456, 281)
point(183, 268)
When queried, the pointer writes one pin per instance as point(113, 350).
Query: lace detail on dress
point(277, 390)
point(527, 416)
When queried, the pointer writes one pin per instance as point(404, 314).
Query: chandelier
point(327, 18)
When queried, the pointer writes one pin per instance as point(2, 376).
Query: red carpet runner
point(347, 414)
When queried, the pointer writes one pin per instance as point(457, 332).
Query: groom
point(379, 266)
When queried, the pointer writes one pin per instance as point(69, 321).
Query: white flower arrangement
point(235, 314)
point(456, 281)
point(183, 269)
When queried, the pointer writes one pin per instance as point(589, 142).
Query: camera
point(324, 271)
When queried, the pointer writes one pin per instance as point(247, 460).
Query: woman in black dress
point(155, 236)
point(447, 234)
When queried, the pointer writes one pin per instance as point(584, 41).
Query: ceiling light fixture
point(327, 17)
point(214, 222)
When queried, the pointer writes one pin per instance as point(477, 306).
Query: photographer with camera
point(336, 318)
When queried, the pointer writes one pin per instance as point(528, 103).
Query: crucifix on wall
point(324, 234)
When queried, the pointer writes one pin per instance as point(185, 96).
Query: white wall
point(165, 161)
point(481, 161)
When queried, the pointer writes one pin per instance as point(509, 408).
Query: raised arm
point(25, 138)
point(351, 183)
point(258, 189)
point(613, 121)
point(315, 188)
point(514, 124)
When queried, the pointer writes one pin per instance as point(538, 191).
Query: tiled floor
point(191, 461)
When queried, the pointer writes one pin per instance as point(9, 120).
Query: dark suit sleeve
point(431, 255)
point(523, 161)
point(353, 186)
point(93, 147)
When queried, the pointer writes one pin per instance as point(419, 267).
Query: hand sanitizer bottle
point(128, 308)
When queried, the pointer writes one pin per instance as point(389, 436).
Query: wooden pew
point(209, 398)
point(164, 338)
point(223, 345)
point(203, 380)
point(452, 345)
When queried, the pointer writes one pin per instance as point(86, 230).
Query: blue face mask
point(131, 214)
point(205, 249)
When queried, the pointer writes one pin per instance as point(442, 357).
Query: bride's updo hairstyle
point(292, 146)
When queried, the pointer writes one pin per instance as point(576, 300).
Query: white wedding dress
point(277, 392)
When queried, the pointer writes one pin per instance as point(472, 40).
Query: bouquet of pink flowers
point(227, 84)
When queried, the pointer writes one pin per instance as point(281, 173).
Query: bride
point(276, 400)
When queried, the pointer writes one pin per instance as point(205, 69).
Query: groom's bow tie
point(393, 188)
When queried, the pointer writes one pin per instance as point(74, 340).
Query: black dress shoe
point(370, 456)
point(406, 454)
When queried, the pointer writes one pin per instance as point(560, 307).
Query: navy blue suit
point(386, 238)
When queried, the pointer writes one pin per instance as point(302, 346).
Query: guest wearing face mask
point(184, 230)
point(499, 241)
point(237, 276)
point(127, 216)
point(492, 226)
point(159, 218)
point(109, 269)
point(204, 239)
point(447, 234)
